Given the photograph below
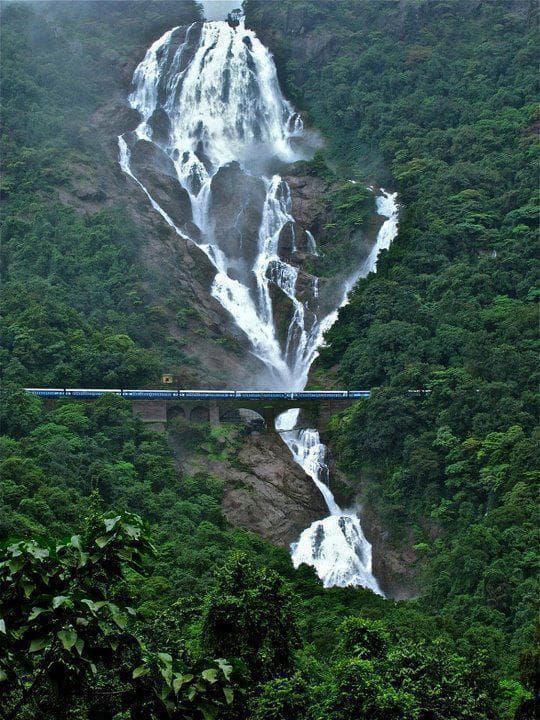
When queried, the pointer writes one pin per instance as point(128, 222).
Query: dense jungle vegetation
point(74, 307)
point(177, 615)
point(439, 98)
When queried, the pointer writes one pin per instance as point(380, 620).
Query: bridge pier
point(151, 412)
point(269, 415)
point(214, 414)
point(326, 410)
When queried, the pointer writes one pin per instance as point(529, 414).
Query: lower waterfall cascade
point(214, 127)
point(336, 546)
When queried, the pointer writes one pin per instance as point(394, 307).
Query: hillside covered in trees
point(440, 100)
point(124, 593)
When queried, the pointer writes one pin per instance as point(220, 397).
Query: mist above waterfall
point(219, 9)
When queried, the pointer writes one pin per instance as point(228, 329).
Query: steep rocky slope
point(264, 490)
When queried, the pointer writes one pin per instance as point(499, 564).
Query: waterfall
point(214, 130)
point(210, 101)
point(336, 546)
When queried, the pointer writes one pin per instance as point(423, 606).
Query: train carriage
point(161, 394)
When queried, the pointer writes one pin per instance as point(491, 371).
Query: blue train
point(201, 394)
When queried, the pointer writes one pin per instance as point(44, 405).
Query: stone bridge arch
point(200, 414)
point(216, 410)
point(177, 411)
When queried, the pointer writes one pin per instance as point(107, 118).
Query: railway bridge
point(156, 407)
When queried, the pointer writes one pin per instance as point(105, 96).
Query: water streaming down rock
point(217, 123)
point(336, 546)
point(214, 128)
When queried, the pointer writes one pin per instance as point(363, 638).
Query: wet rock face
point(237, 229)
point(271, 495)
point(287, 241)
point(307, 207)
point(394, 566)
point(148, 157)
point(124, 119)
point(161, 126)
point(155, 170)
point(283, 310)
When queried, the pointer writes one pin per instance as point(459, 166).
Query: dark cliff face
point(155, 170)
point(237, 201)
point(268, 493)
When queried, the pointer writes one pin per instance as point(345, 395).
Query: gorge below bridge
point(157, 407)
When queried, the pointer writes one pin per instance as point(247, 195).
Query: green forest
point(124, 593)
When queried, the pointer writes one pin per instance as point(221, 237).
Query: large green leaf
point(180, 680)
point(132, 530)
point(210, 675)
point(36, 611)
point(79, 646)
point(209, 711)
point(60, 600)
point(140, 671)
point(120, 620)
point(110, 523)
point(38, 644)
point(28, 588)
point(225, 667)
point(68, 638)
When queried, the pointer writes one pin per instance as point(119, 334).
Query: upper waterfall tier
point(209, 94)
point(214, 128)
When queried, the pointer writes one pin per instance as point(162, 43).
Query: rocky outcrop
point(307, 193)
point(310, 216)
point(394, 563)
point(154, 168)
point(267, 492)
point(238, 230)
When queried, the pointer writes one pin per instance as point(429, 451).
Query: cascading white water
point(336, 546)
point(217, 89)
point(208, 97)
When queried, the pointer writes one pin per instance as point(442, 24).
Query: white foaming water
point(336, 546)
point(388, 207)
point(208, 95)
point(217, 89)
